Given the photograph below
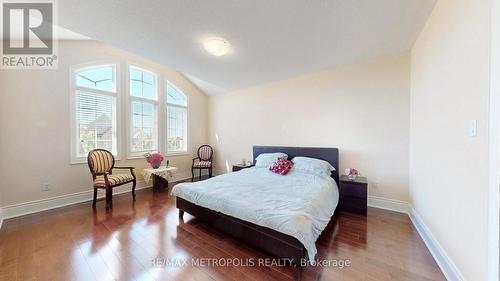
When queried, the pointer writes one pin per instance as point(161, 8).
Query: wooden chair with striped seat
point(203, 161)
point(101, 164)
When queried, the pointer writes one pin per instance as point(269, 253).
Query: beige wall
point(35, 124)
point(449, 87)
point(362, 108)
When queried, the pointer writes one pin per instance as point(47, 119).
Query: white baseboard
point(448, 267)
point(36, 206)
point(27, 208)
point(388, 204)
point(219, 172)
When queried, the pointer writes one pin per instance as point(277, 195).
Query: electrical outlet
point(375, 185)
point(46, 187)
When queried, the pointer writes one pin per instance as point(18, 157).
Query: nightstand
point(353, 195)
point(238, 167)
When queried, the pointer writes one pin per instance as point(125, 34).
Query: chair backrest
point(205, 152)
point(100, 161)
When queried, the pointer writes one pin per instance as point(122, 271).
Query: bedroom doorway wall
point(494, 147)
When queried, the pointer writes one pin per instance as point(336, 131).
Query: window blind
point(94, 117)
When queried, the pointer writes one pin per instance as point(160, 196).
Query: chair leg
point(95, 197)
point(111, 197)
point(107, 198)
point(192, 174)
point(181, 214)
point(200, 173)
point(133, 189)
point(210, 172)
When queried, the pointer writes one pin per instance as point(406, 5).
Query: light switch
point(472, 128)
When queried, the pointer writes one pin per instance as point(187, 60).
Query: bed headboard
point(331, 155)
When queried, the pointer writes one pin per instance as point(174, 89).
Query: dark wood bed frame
point(268, 240)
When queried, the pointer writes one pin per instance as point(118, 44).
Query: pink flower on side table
point(154, 159)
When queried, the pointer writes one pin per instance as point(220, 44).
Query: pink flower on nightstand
point(351, 173)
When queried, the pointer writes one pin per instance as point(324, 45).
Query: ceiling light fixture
point(216, 46)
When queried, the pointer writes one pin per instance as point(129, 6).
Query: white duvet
point(298, 204)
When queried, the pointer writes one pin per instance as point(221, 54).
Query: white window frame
point(167, 105)
point(130, 99)
point(74, 158)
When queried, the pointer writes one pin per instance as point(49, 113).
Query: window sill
point(84, 160)
point(135, 157)
point(172, 154)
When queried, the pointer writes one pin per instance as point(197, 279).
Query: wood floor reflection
point(131, 242)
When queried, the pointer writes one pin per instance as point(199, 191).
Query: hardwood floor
point(79, 243)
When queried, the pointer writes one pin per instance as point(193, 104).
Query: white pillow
point(312, 166)
point(264, 160)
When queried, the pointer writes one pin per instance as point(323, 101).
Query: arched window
point(94, 117)
point(143, 93)
point(177, 107)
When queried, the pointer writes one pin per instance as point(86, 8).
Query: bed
point(280, 215)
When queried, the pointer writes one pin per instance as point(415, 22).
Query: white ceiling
point(270, 40)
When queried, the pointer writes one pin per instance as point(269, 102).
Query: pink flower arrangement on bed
point(154, 159)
